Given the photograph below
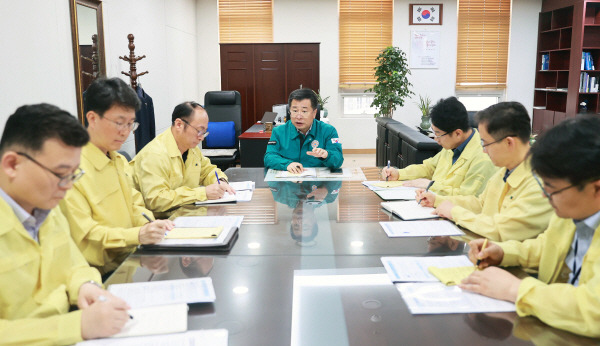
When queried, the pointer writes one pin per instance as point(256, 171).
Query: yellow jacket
point(104, 211)
point(165, 180)
point(549, 297)
point(515, 210)
point(38, 282)
point(467, 176)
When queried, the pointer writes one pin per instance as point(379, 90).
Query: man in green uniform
point(303, 141)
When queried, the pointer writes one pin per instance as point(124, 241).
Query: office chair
point(223, 107)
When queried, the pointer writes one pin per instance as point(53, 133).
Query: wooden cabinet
point(266, 73)
point(567, 30)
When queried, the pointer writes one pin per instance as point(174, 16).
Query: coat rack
point(94, 59)
point(132, 59)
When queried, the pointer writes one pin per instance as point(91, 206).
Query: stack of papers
point(243, 185)
point(425, 294)
point(308, 172)
point(207, 337)
point(429, 228)
point(227, 224)
point(153, 293)
point(391, 190)
point(409, 210)
point(240, 196)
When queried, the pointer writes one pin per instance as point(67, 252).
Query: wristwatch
point(224, 180)
point(93, 283)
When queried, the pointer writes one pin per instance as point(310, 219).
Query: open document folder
point(425, 294)
point(239, 196)
point(224, 227)
point(409, 210)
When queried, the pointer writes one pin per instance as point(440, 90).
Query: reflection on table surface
point(306, 270)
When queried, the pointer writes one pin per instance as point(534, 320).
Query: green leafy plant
point(320, 100)
point(424, 105)
point(392, 86)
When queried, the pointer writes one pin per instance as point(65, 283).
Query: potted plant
point(424, 105)
point(392, 86)
point(322, 101)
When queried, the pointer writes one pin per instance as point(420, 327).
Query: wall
point(165, 31)
point(36, 64)
point(304, 22)
point(180, 40)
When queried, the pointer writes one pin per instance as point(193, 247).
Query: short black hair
point(303, 94)
point(104, 93)
point(449, 115)
point(32, 125)
point(184, 110)
point(569, 150)
point(506, 119)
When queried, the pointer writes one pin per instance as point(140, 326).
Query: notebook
point(409, 210)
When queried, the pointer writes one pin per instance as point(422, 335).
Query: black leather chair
point(405, 145)
point(225, 106)
point(382, 142)
point(288, 115)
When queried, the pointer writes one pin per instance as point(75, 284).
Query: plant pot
point(425, 123)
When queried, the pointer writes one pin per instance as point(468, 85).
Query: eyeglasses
point(124, 126)
point(200, 133)
point(64, 180)
point(435, 135)
point(483, 145)
point(301, 112)
point(546, 193)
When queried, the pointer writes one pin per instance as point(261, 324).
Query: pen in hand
point(427, 190)
point(147, 217)
point(482, 248)
point(104, 299)
point(217, 175)
point(388, 172)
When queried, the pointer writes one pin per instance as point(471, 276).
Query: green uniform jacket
point(287, 145)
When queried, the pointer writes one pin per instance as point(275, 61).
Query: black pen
point(147, 217)
point(427, 189)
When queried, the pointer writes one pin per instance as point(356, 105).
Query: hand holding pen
point(429, 198)
point(154, 231)
point(484, 254)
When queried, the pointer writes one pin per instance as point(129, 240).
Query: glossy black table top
point(306, 270)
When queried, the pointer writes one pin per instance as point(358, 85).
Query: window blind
point(483, 33)
point(365, 30)
point(245, 21)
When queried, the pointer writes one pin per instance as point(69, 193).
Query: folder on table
point(409, 210)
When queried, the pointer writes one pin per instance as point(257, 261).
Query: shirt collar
point(27, 220)
point(463, 145)
point(98, 159)
point(307, 132)
point(592, 221)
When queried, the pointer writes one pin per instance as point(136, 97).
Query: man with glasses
point(303, 141)
point(511, 206)
point(43, 272)
point(566, 292)
point(461, 168)
point(105, 212)
point(171, 171)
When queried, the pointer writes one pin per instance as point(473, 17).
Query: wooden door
point(237, 73)
point(302, 65)
point(269, 78)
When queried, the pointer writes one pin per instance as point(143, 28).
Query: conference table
point(306, 270)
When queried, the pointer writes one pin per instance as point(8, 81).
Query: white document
point(429, 228)
point(403, 193)
point(207, 337)
point(242, 185)
point(308, 172)
point(409, 210)
point(143, 294)
point(229, 223)
point(240, 196)
point(437, 298)
point(414, 269)
point(218, 152)
point(151, 320)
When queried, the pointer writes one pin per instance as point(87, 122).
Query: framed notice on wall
point(424, 49)
point(425, 14)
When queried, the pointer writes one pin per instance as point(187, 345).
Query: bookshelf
point(567, 29)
